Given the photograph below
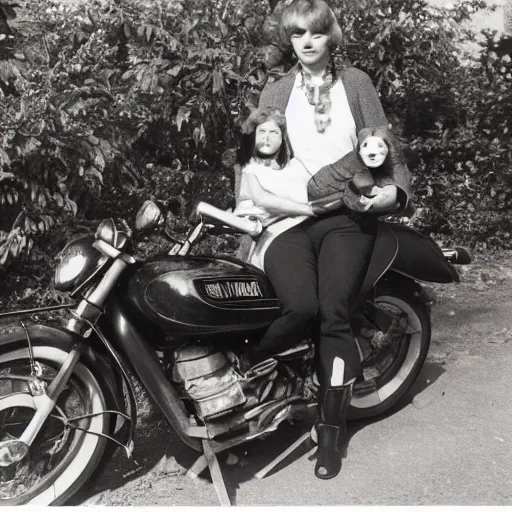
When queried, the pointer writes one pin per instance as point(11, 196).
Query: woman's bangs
point(317, 21)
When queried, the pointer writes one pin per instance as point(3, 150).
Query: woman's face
point(268, 138)
point(312, 49)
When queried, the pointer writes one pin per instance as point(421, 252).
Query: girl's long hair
point(247, 147)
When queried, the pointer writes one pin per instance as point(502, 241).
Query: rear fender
point(420, 258)
point(13, 336)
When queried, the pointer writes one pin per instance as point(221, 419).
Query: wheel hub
point(12, 451)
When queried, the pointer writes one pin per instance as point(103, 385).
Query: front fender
point(13, 336)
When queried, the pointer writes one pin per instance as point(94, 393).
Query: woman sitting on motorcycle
point(318, 265)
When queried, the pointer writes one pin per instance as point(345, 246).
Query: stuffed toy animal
point(373, 150)
point(379, 150)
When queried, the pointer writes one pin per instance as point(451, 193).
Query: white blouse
point(314, 149)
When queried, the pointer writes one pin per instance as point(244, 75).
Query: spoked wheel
point(392, 363)
point(66, 451)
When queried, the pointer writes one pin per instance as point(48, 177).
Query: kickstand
point(210, 460)
point(304, 439)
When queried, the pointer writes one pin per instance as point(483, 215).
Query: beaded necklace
point(320, 95)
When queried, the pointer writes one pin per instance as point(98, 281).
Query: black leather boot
point(332, 430)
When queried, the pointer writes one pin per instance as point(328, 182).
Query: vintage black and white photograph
point(255, 253)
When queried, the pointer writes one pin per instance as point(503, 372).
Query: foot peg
point(293, 352)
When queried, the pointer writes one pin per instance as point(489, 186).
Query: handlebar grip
point(249, 226)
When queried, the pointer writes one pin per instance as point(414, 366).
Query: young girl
point(273, 185)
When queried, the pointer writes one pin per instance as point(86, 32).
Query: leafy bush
point(106, 104)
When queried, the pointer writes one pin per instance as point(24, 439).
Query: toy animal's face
point(373, 151)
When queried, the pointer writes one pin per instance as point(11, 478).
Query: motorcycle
point(182, 324)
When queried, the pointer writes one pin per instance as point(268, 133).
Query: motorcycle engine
point(216, 385)
point(208, 379)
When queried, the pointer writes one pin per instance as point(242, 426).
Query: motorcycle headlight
point(77, 261)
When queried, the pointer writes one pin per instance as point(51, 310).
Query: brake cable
point(68, 423)
point(34, 368)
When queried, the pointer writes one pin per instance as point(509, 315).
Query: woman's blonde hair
point(314, 14)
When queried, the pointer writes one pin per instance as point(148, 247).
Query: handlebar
point(252, 227)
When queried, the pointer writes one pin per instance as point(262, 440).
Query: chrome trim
point(100, 294)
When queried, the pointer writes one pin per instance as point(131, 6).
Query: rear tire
point(83, 451)
point(407, 364)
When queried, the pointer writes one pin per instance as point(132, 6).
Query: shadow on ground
point(257, 455)
point(155, 441)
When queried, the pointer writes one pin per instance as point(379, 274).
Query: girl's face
point(268, 138)
point(312, 49)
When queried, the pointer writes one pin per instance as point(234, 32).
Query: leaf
point(96, 173)
point(141, 72)
point(28, 147)
point(99, 159)
point(71, 205)
point(4, 160)
point(218, 81)
point(174, 44)
point(4, 253)
point(93, 140)
point(174, 71)
point(14, 248)
point(199, 134)
point(127, 30)
point(188, 25)
point(149, 32)
point(183, 115)
point(146, 81)
point(140, 30)
point(22, 242)
point(33, 192)
point(223, 27)
point(41, 200)
point(58, 199)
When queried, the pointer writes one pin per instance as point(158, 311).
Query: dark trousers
point(317, 267)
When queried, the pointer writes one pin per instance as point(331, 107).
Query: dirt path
point(449, 443)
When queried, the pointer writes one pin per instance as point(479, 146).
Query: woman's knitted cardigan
point(366, 110)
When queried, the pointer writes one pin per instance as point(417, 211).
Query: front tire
point(390, 384)
point(61, 458)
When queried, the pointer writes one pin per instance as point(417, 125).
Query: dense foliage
point(107, 103)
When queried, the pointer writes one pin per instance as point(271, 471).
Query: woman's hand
point(381, 199)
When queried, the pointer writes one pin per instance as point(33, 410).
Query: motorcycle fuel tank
point(199, 295)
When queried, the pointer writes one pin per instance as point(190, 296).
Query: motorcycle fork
point(46, 399)
point(42, 398)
